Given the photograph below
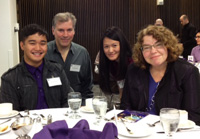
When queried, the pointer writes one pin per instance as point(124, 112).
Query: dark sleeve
point(8, 93)
point(191, 98)
point(125, 100)
point(191, 41)
point(87, 83)
point(65, 89)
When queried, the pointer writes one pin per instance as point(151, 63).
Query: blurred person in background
point(187, 36)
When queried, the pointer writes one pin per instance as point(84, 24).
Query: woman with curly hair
point(158, 78)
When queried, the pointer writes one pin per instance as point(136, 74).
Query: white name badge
point(121, 84)
point(54, 81)
point(75, 68)
point(190, 58)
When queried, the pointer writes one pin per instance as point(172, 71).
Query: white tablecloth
point(58, 114)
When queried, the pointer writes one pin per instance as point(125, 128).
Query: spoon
point(154, 124)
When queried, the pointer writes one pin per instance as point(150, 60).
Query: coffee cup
point(6, 109)
point(88, 103)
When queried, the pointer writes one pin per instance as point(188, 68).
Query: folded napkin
point(60, 130)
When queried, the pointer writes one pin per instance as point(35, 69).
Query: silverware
point(5, 121)
point(43, 117)
point(183, 130)
point(154, 124)
point(129, 131)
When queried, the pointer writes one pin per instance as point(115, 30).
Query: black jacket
point(188, 39)
point(20, 88)
point(179, 88)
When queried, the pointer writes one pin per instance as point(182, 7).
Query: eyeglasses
point(197, 37)
point(148, 48)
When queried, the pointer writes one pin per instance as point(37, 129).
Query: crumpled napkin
point(60, 130)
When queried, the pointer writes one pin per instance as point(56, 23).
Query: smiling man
point(73, 57)
point(35, 83)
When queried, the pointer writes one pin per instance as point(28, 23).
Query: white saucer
point(12, 114)
point(86, 109)
point(138, 131)
point(7, 130)
point(189, 124)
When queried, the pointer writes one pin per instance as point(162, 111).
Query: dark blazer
point(179, 88)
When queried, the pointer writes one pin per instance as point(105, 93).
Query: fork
point(154, 124)
point(129, 131)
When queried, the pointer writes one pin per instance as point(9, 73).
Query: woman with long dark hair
point(115, 56)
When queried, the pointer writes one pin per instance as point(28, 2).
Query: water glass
point(99, 104)
point(74, 102)
point(169, 118)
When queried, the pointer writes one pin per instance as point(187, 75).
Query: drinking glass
point(169, 118)
point(99, 104)
point(74, 102)
point(22, 126)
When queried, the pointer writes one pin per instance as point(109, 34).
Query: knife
point(5, 121)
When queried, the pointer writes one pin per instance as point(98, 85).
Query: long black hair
point(113, 33)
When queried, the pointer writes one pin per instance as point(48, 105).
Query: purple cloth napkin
point(60, 130)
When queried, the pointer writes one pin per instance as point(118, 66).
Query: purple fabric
point(37, 74)
point(60, 130)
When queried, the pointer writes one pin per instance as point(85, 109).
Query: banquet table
point(59, 114)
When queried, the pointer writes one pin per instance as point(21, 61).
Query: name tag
point(54, 81)
point(120, 84)
point(75, 68)
point(190, 58)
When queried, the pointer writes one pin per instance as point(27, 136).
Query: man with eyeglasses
point(196, 50)
point(187, 36)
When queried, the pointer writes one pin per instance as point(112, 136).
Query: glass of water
point(169, 118)
point(74, 102)
point(99, 104)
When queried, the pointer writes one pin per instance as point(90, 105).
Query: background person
point(29, 84)
point(73, 57)
point(158, 22)
point(187, 36)
point(196, 50)
point(115, 56)
point(158, 78)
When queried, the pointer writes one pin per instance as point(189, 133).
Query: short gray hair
point(64, 17)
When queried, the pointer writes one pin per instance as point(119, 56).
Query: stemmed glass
point(22, 126)
point(99, 104)
point(169, 118)
point(74, 102)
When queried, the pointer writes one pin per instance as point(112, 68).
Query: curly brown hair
point(161, 34)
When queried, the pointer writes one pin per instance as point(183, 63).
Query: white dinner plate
point(86, 109)
point(188, 125)
point(12, 114)
point(138, 130)
point(7, 130)
point(109, 115)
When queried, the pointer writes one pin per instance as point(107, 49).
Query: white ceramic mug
point(6, 109)
point(88, 103)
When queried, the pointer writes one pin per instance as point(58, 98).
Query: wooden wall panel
point(94, 16)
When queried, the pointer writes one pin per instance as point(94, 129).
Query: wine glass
point(99, 104)
point(22, 126)
point(74, 102)
point(169, 118)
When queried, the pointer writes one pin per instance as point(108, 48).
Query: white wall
point(9, 46)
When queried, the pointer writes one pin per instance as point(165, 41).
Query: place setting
point(174, 121)
point(6, 111)
point(127, 123)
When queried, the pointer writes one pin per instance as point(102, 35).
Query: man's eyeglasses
point(148, 48)
point(197, 37)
